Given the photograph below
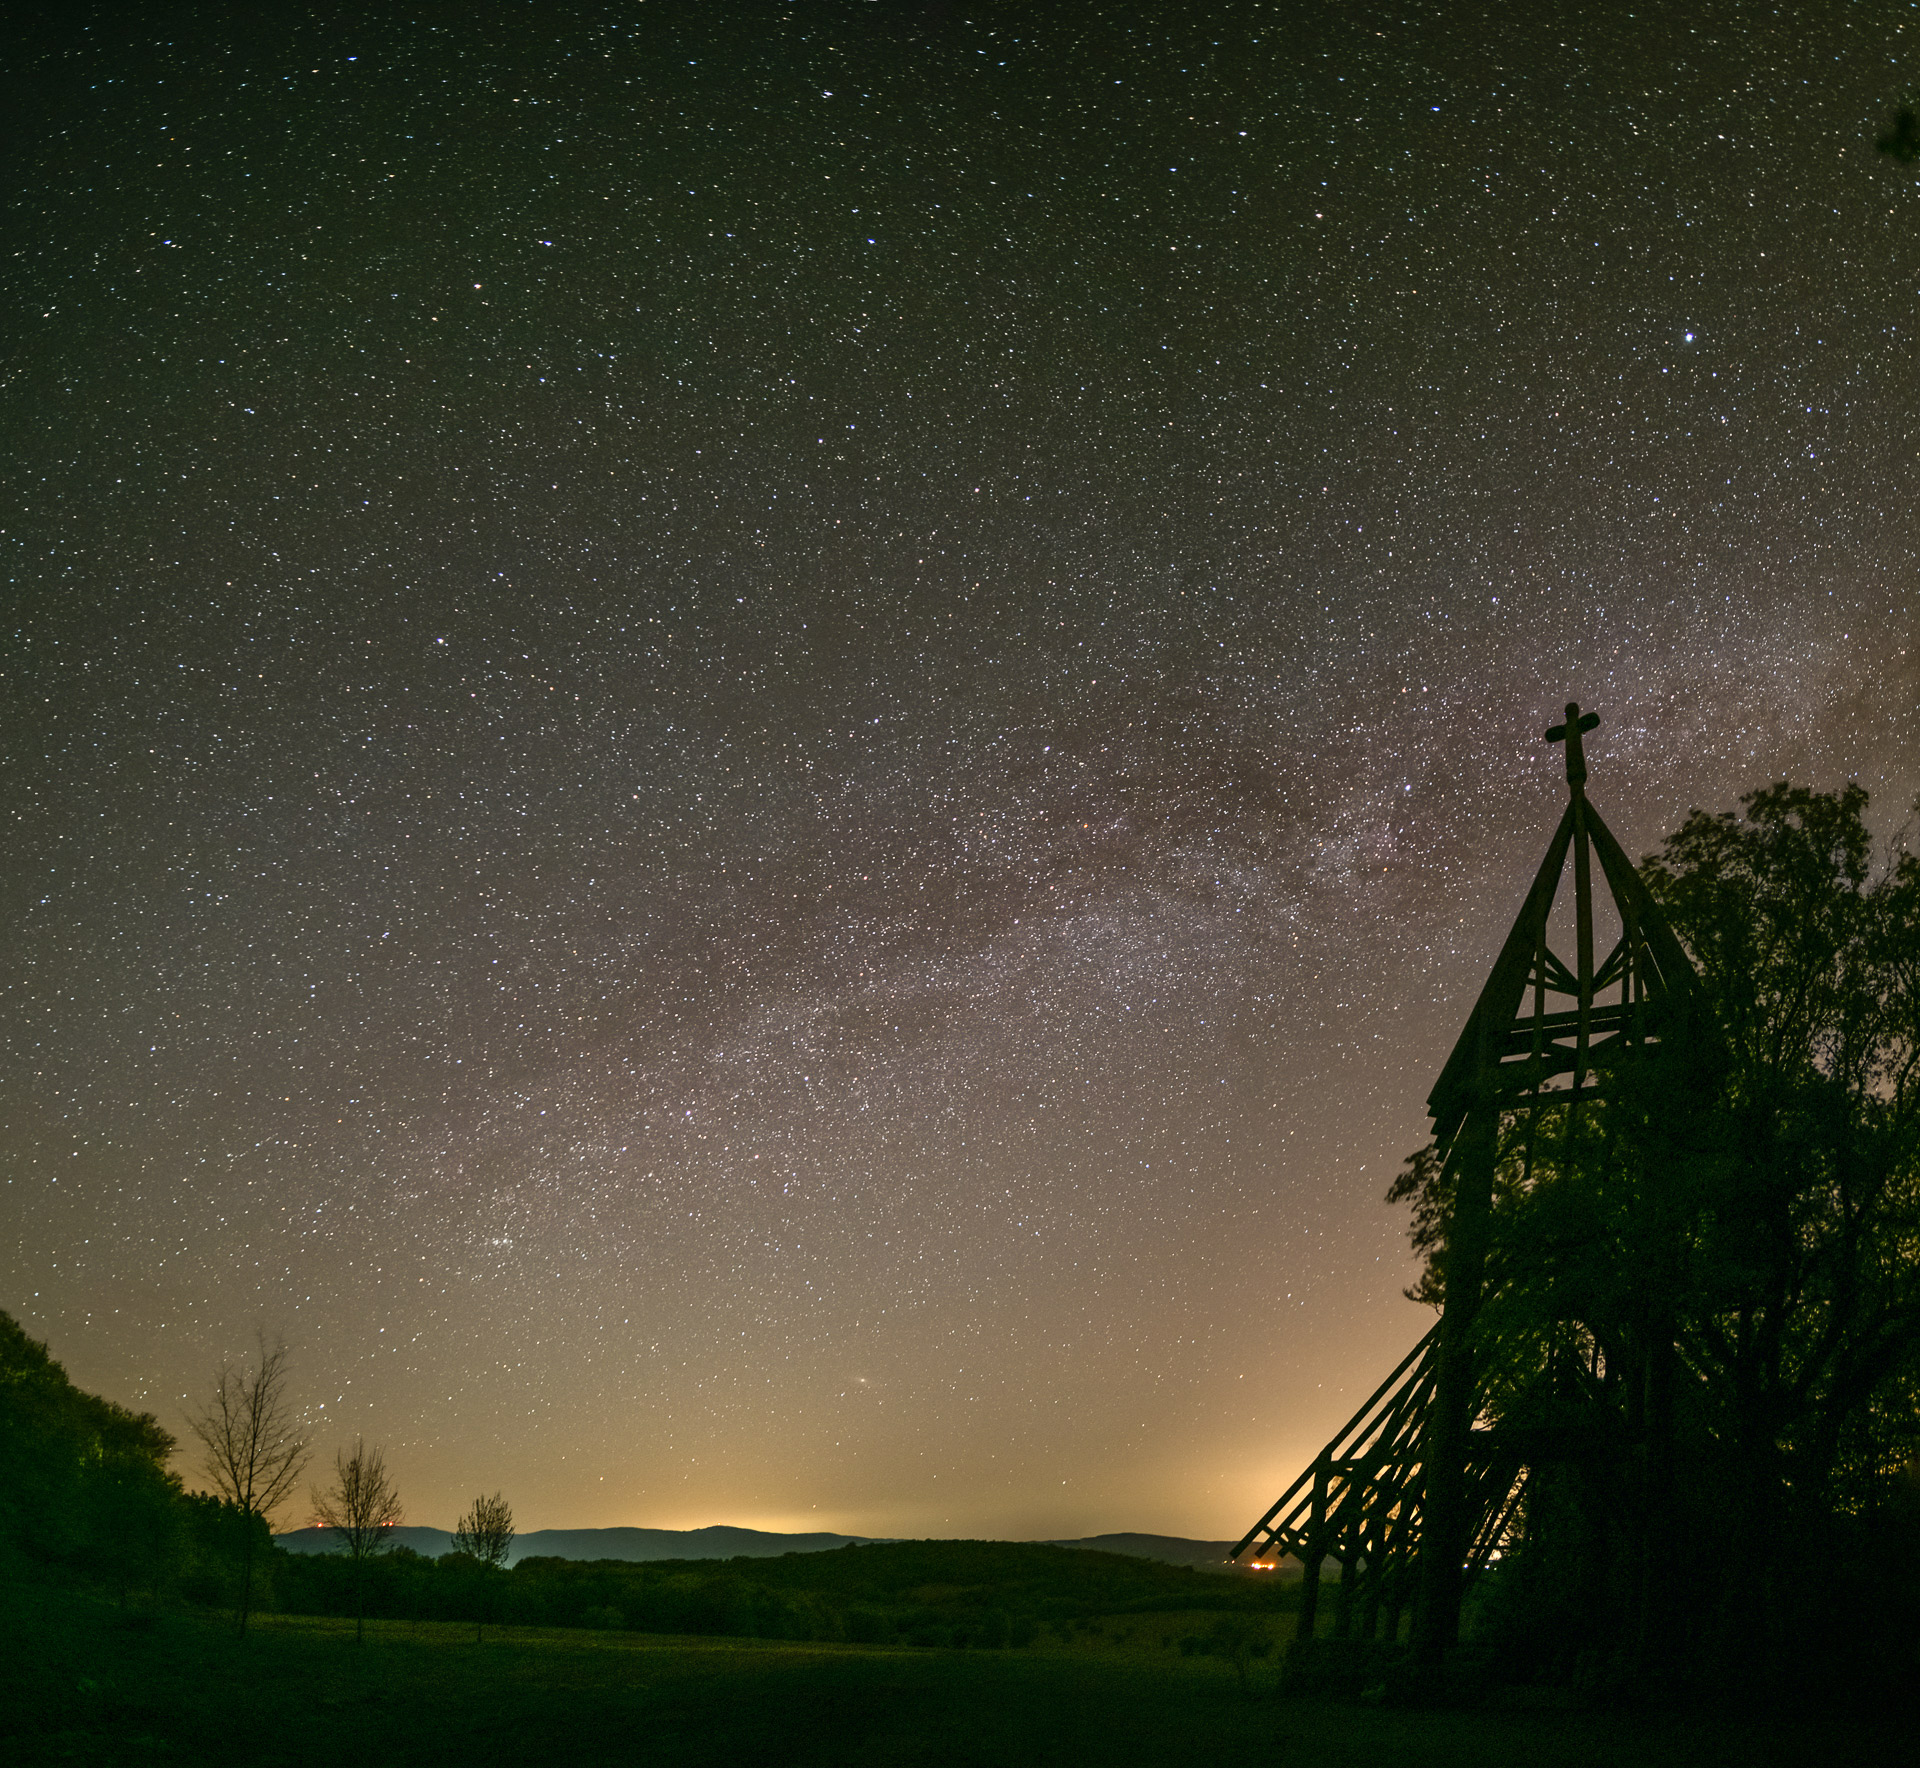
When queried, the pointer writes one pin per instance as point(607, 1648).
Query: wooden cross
point(1569, 733)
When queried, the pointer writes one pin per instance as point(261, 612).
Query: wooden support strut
point(1359, 1428)
point(1376, 1552)
point(1443, 1531)
point(1316, 1552)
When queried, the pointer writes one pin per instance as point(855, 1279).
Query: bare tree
point(486, 1533)
point(361, 1508)
point(255, 1448)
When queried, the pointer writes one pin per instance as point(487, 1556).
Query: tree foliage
point(1806, 1233)
point(83, 1482)
point(485, 1535)
point(254, 1447)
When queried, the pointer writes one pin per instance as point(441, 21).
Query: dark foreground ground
point(81, 1683)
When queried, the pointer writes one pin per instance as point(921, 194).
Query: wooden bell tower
point(1421, 1488)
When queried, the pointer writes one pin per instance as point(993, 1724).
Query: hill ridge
point(726, 1541)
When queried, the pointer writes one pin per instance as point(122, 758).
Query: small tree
point(485, 1533)
point(361, 1508)
point(255, 1449)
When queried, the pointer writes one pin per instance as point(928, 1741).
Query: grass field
point(80, 1683)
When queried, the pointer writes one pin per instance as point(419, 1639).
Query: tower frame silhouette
point(1422, 1488)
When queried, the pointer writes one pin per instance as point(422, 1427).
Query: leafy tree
point(254, 1448)
point(83, 1481)
point(1805, 1307)
point(361, 1508)
point(1902, 141)
point(485, 1534)
point(136, 1515)
point(217, 1553)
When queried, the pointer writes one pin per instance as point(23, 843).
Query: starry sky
point(757, 754)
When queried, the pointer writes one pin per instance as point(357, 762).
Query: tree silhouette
point(1902, 141)
point(255, 1448)
point(361, 1508)
point(83, 1481)
point(1804, 1311)
point(485, 1533)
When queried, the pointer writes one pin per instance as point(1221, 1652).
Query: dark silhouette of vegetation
point(254, 1450)
point(1902, 141)
point(83, 1482)
point(485, 1535)
point(964, 1595)
point(1716, 1271)
point(361, 1507)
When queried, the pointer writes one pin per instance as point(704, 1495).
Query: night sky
point(757, 755)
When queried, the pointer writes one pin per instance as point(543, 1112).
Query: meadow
point(83, 1680)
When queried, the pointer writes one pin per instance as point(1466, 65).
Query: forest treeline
point(978, 1594)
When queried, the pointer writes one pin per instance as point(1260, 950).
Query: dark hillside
point(1032, 1576)
point(980, 1593)
point(1206, 1556)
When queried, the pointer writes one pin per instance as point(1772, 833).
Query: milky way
point(758, 755)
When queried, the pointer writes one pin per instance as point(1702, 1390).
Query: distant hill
point(721, 1542)
point(1204, 1556)
point(718, 1542)
point(1168, 1549)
